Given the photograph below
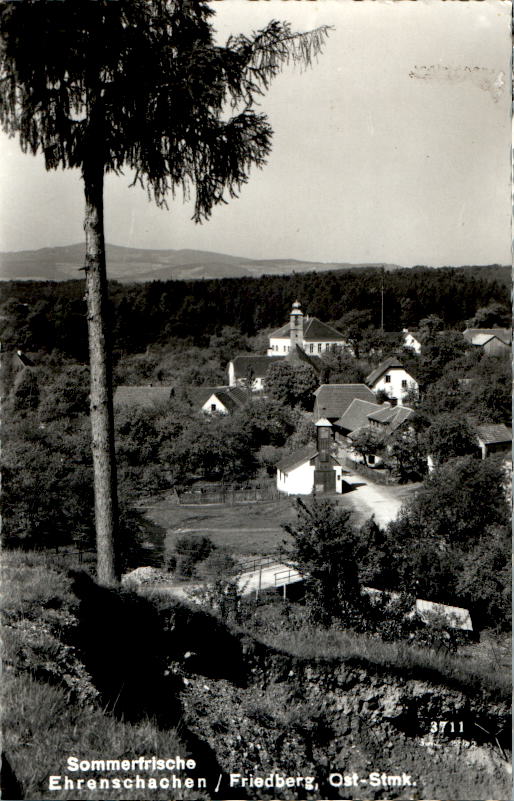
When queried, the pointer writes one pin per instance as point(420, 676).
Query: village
point(362, 445)
point(256, 385)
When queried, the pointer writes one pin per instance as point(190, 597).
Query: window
point(319, 348)
point(404, 384)
point(388, 379)
point(371, 459)
point(311, 348)
point(213, 407)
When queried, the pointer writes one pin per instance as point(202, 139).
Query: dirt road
point(368, 499)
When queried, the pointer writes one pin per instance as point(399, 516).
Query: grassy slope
point(51, 704)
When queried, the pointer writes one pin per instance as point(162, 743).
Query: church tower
point(296, 326)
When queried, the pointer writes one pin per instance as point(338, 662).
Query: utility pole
point(382, 302)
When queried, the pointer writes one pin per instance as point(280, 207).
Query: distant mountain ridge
point(130, 265)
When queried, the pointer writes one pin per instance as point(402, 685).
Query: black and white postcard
point(256, 380)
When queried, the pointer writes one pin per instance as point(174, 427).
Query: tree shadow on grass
point(127, 644)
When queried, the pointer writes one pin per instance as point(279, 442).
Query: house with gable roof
point(332, 400)
point(312, 335)
point(382, 418)
point(494, 341)
point(392, 378)
point(217, 400)
point(245, 368)
point(494, 438)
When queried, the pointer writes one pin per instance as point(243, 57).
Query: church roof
point(332, 400)
point(313, 331)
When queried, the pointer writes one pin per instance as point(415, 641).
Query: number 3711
point(446, 726)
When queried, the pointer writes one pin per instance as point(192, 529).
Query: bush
point(190, 550)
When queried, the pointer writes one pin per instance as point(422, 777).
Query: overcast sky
point(394, 148)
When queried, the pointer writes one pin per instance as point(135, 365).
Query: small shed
point(494, 438)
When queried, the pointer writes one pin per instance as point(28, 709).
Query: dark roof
point(392, 416)
point(282, 333)
point(231, 397)
point(145, 396)
point(298, 357)
point(387, 364)
point(491, 433)
point(503, 334)
point(357, 414)
point(258, 364)
point(313, 331)
point(332, 400)
point(297, 458)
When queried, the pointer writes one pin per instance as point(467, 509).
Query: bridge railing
point(250, 565)
point(287, 576)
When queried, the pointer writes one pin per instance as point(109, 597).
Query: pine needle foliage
point(141, 84)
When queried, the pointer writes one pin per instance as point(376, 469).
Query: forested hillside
point(48, 315)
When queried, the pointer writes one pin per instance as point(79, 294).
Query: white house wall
point(281, 347)
point(394, 388)
point(411, 342)
point(214, 401)
point(298, 481)
point(257, 385)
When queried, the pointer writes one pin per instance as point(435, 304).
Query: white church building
point(309, 333)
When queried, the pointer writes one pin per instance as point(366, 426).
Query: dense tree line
point(49, 315)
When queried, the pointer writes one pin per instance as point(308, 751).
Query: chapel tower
point(296, 326)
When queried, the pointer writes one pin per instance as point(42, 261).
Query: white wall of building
point(395, 382)
point(281, 347)
point(214, 406)
point(257, 384)
point(411, 342)
point(298, 481)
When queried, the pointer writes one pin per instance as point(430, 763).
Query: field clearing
point(256, 528)
point(252, 528)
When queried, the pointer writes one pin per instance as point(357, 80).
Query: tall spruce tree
point(103, 85)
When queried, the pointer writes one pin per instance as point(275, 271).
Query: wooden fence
point(227, 495)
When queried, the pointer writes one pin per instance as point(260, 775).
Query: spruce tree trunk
point(101, 406)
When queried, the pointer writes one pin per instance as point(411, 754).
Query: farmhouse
point(332, 400)
point(494, 341)
point(309, 333)
point(383, 419)
point(392, 378)
point(252, 370)
point(217, 400)
point(312, 468)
